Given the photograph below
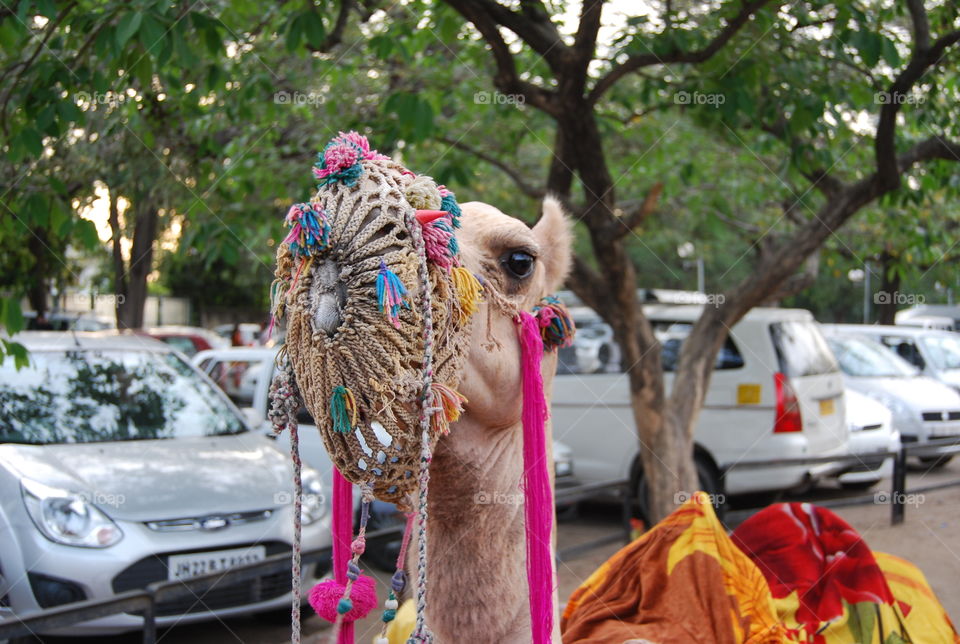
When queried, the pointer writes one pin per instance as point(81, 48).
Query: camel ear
point(555, 237)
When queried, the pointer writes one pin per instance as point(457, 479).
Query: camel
point(477, 585)
point(393, 370)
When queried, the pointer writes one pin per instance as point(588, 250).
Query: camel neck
point(477, 586)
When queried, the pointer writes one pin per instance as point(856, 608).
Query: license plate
point(204, 563)
point(826, 407)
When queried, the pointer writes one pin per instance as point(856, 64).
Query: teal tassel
point(343, 410)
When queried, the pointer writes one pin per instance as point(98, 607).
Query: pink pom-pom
point(340, 156)
point(325, 595)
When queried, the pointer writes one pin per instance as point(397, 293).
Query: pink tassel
point(342, 528)
point(538, 501)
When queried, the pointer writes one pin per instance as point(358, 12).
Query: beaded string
point(397, 583)
point(421, 633)
point(357, 547)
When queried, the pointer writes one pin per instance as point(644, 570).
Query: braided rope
point(421, 633)
point(285, 402)
point(297, 532)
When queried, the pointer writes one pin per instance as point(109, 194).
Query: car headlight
point(314, 503)
point(563, 467)
point(67, 517)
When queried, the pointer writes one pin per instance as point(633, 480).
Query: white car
point(923, 408)
point(934, 352)
point(871, 432)
point(776, 392)
point(594, 349)
point(120, 466)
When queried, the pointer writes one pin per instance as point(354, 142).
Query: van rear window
point(801, 349)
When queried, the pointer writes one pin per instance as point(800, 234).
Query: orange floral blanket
point(791, 573)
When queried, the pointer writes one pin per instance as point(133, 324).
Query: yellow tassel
point(449, 406)
point(469, 292)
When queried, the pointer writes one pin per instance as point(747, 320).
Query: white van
point(776, 393)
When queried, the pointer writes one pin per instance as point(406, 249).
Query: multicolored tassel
point(448, 202)
point(556, 325)
point(439, 242)
point(449, 403)
point(391, 294)
point(340, 159)
point(309, 229)
point(469, 293)
point(343, 410)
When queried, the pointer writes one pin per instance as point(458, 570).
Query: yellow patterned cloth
point(683, 581)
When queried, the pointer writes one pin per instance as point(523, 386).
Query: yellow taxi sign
point(748, 394)
point(826, 407)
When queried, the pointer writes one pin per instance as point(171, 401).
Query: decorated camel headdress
point(379, 310)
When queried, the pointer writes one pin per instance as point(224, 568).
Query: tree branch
point(645, 60)
point(335, 37)
point(526, 188)
point(638, 215)
point(923, 57)
point(533, 26)
point(506, 79)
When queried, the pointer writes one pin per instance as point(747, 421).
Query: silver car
point(121, 465)
point(923, 408)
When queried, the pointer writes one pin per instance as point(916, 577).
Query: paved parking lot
point(930, 538)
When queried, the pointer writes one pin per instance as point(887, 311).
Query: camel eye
point(519, 263)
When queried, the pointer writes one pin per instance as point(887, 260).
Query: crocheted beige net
point(380, 364)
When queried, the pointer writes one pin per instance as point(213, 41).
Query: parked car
point(245, 375)
point(120, 466)
point(934, 352)
point(871, 431)
point(188, 340)
point(594, 349)
point(923, 408)
point(776, 392)
point(65, 321)
point(937, 316)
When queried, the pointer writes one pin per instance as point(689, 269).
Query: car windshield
point(943, 351)
point(867, 359)
point(88, 396)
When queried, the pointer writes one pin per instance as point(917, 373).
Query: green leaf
point(152, 34)
point(32, 141)
point(12, 315)
point(294, 33)
point(313, 28)
point(861, 621)
point(85, 232)
point(129, 24)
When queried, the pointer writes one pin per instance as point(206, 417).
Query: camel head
point(518, 267)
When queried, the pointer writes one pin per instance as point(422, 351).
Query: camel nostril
point(329, 297)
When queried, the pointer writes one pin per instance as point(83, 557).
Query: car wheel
point(603, 357)
point(935, 461)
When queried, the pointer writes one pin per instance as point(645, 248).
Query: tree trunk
point(39, 286)
point(131, 281)
point(886, 298)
